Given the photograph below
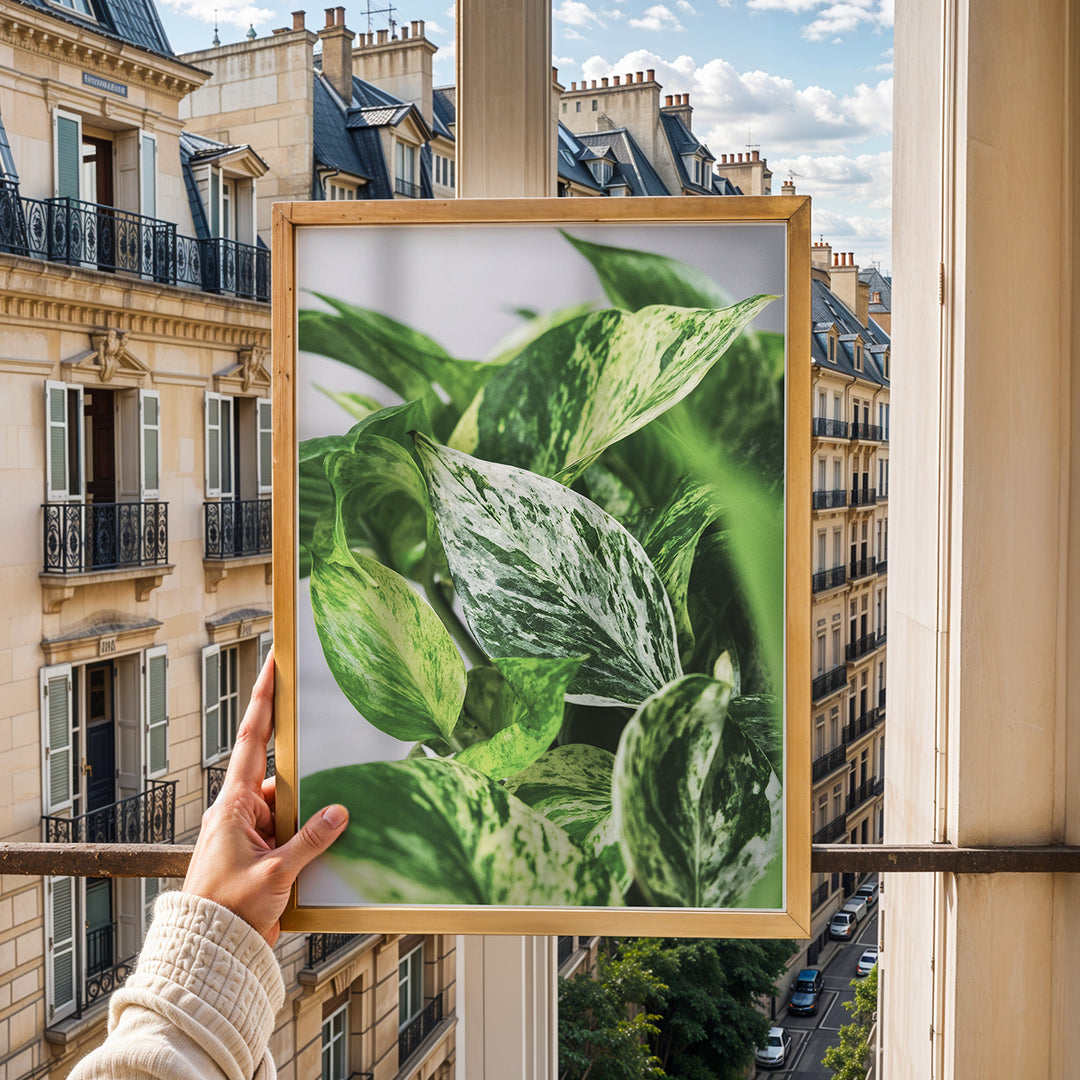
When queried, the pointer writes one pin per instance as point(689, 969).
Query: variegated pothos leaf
point(593, 380)
point(698, 806)
point(542, 571)
point(433, 831)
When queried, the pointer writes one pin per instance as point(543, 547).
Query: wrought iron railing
point(321, 947)
point(108, 238)
point(862, 724)
point(829, 579)
point(215, 777)
point(820, 895)
point(867, 432)
point(831, 681)
point(863, 567)
point(882, 566)
point(829, 500)
point(828, 762)
point(418, 1029)
point(881, 701)
point(861, 646)
point(835, 429)
point(235, 528)
point(104, 972)
point(833, 831)
point(866, 496)
point(81, 537)
point(146, 818)
point(407, 188)
point(566, 948)
point(867, 790)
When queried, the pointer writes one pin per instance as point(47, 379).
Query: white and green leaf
point(542, 571)
point(698, 805)
point(571, 785)
point(591, 381)
point(526, 714)
point(387, 650)
point(432, 831)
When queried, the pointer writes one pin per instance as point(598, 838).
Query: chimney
point(787, 187)
point(821, 255)
point(650, 75)
point(638, 77)
point(603, 82)
point(679, 105)
point(404, 33)
point(615, 80)
point(846, 286)
point(337, 46)
point(298, 20)
point(400, 65)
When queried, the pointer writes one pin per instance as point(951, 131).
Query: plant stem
point(445, 610)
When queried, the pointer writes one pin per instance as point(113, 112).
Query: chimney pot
point(383, 34)
point(419, 32)
point(629, 77)
point(573, 86)
point(615, 80)
point(298, 20)
point(638, 77)
point(554, 73)
point(280, 30)
point(603, 82)
point(329, 17)
point(650, 74)
point(339, 19)
point(404, 33)
point(757, 155)
point(667, 101)
point(594, 84)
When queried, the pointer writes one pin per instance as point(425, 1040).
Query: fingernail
point(335, 816)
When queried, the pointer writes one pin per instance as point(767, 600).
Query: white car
point(775, 1051)
point(867, 961)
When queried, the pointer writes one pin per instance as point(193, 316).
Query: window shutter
point(266, 446)
point(212, 443)
point(211, 688)
point(150, 444)
point(156, 682)
point(67, 154)
point(57, 481)
point(148, 174)
point(60, 970)
point(226, 416)
point(56, 716)
point(151, 889)
point(215, 201)
point(266, 639)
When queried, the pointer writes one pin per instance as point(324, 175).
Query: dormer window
point(335, 189)
point(601, 170)
point(875, 298)
point(80, 7)
point(832, 349)
point(858, 356)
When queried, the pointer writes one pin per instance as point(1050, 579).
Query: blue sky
point(809, 81)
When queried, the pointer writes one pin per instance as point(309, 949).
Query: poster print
point(536, 638)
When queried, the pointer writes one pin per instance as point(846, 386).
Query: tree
point(850, 1059)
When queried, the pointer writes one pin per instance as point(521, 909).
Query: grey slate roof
point(828, 310)
point(633, 166)
point(683, 141)
point(878, 283)
point(571, 168)
point(376, 116)
point(443, 103)
point(338, 148)
point(133, 21)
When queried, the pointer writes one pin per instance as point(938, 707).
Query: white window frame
point(59, 795)
point(149, 430)
point(223, 456)
point(150, 890)
point(65, 494)
point(211, 703)
point(155, 715)
point(148, 139)
point(264, 454)
point(405, 977)
point(60, 893)
point(332, 1038)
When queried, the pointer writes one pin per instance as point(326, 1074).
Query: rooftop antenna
point(217, 38)
point(751, 145)
point(793, 176)
point(388, 11)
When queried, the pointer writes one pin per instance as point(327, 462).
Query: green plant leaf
point(358, 406)
point(526, 713)
point(534, 325)
point(387, 650)
point(571, 785)
point(762, 722)
point(636, 279)
point(541, 571)
point(698, 805)
point(590, 382)
point(432, 831)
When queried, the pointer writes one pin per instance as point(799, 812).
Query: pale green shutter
point(57, 482)
point(226, 446)
point(266, 639)
point(157, 711)
point(150, 443)
point(68, 155)
point(215, 202)
point(148, 174)
point(211, 689)
point(151, 889)
point(59, 948)
point(212, 444)
point(266, 445)
point(55, 684)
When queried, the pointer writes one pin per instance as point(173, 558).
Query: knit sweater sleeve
point(200, 1005)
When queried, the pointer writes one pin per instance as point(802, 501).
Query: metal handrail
point(833, 831)
point(322, 946)
point(236, 528)
point(79, 537)
point(828, 500)
point(861, 646)
point(146, 818)
point(828, 682)
point(863, 567)
point(828, 579)
point(866, 496)
point(828, 762)
point(418, 1029)
point(406, 187)
point(835, 429)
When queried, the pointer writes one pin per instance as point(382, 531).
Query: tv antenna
point(749, 144)
point(387, 11)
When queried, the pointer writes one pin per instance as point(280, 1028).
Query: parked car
point(775, 1051)
point(842, 926)
point(805, 992)
point(869, 892)
point(867, 962)
point(857, 907)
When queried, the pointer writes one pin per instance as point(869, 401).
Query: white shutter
point(150, 444)
point(211, 697)
point(56, 714)
point(57, 485)
point(156, 683)
point(266, 444)
point(212, 441)
point(148, 174)
point(266, 639)
point(60, 969)
point(151, 888)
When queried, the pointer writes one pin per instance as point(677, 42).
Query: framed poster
point(541, 563)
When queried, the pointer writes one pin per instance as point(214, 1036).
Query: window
point(823, 811)
point(564, 106)
point(577, 106)
point(858, 356)
point(838, 800)
point(80, 7)
point(875, 298)
point(821, 474)
point(819, 736)
point(832, 349)
point(838, 407)
point(601, 171)
point(335, 1030)
point(230, 204)
point(406, 162)
point(821, 540)
point(820, 654)
point(823, 402)
point(410, 985)
point(237, 443)
point(221, 699)
point(336, 190)
point(594, 104)
point(837, 647)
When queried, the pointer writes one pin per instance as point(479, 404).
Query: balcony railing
point(418, 1029)
point(863, 496)
point(867, 790)
point(882, 566)
point(215, 777)
point(866, 432)
point(146, 818)
point(881, 701)
point(829, 579)
point(407, 188)
point(321, 947)
point(104, 973)
point(860, 726)
point(829, 429)
point(828, 762)
point(98, 237)
point(81, 537)
point(820, 895)
point(566, 948)
point(829, 500)
point(863, 567)
point(236, 528)
point(831, 681)
point(861, 646)
point(831, 832)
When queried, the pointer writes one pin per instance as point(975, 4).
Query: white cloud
point(686, 6)
point(657, 18)
point(833, 18)
point(575, 13)
point(792, 7)
point(864, 178)
point(572, 35)
point(563, 61)
point(433, 28)
point(223, 12)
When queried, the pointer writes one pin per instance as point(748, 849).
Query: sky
point(808, 82)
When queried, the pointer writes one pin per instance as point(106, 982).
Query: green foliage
point(851, 1058)
point(559, 574)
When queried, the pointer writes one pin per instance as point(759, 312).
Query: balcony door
point(99, 763)
point(100, 425)
point(96, 174)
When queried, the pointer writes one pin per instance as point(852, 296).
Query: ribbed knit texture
point(199, 1006)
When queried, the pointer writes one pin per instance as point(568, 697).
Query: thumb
point(316, 835)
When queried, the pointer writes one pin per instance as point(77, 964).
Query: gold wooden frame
point(794, 919)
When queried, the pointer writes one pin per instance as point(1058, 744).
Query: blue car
point(805, 992)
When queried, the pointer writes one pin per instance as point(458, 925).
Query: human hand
point(236, 862)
